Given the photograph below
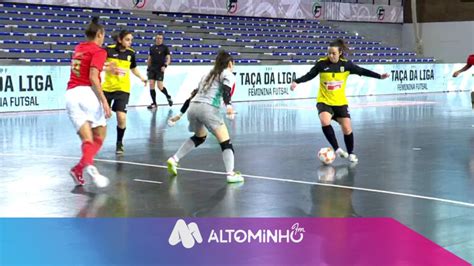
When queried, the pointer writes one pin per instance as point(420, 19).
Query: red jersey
point(86, 56)
point(470, 60)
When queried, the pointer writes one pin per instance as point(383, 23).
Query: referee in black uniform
point(158, 60)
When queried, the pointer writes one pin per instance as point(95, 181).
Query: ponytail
point(343, 47)
point(93, 28)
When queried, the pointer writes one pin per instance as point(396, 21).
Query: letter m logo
point(187, 234)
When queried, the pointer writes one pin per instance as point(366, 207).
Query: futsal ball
point(326, 155)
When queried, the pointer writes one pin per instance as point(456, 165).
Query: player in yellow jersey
point(117, 83)
point(332, 102)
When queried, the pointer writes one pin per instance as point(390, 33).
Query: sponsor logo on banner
point(380, 13)
point(231, 6)
point(317, 9)
point(139, 3)
point(189, 235)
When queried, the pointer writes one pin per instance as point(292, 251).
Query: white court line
point(466, 204)
point(147, 181)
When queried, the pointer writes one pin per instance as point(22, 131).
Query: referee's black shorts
point(155, 74)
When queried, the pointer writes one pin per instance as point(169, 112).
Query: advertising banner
point(35, 88)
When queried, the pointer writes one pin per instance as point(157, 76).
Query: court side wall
point(448, 42)
point(440, 10)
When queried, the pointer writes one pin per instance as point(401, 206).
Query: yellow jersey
point(333, 78)
point(119, 80)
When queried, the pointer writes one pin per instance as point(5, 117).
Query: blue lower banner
point(217, 241)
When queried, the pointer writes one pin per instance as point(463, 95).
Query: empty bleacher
point(39, 33)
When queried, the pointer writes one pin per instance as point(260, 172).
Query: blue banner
point(217, 241)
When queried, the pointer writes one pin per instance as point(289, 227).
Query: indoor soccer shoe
point(342, 153)
point(235, 177)
point(151, 106)
point(119, 149)
point(353, 158)
point(76, 175)
point(170, 102)
point(172, 166)
point(97, 178)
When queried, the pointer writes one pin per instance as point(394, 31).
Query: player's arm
point(139, 75)
point(184, 108)
point(168, 60)
point(355, 69)
point(97, 87)
point(97, 65)
point(135, 71)
point(227, 82)
point(465, 68)
point(168, 57)
point(469, 63)
point(148, 61)
point(226, 96)
point(308, 76)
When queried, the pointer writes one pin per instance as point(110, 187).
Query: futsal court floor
point(416, 165)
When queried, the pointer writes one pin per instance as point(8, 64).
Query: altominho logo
point(262, 236)
point(187, 234)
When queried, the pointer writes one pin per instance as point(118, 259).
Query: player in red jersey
point(469, 63)
point(86, 104)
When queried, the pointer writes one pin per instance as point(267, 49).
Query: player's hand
point(456, 74)
point(230, 114)
point(145, 81)
point(384, 75)
point(293, 85)
point(172, 121)
point(163, 68)
point(107, 110)
point(175, 118)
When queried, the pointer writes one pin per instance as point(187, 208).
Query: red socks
point(97, 144)
point(89, 150)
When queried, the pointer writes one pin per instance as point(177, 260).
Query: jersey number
point(76, 67)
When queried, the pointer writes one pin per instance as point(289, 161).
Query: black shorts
point(118, 100)
point(335, 111)
point(154, 74)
